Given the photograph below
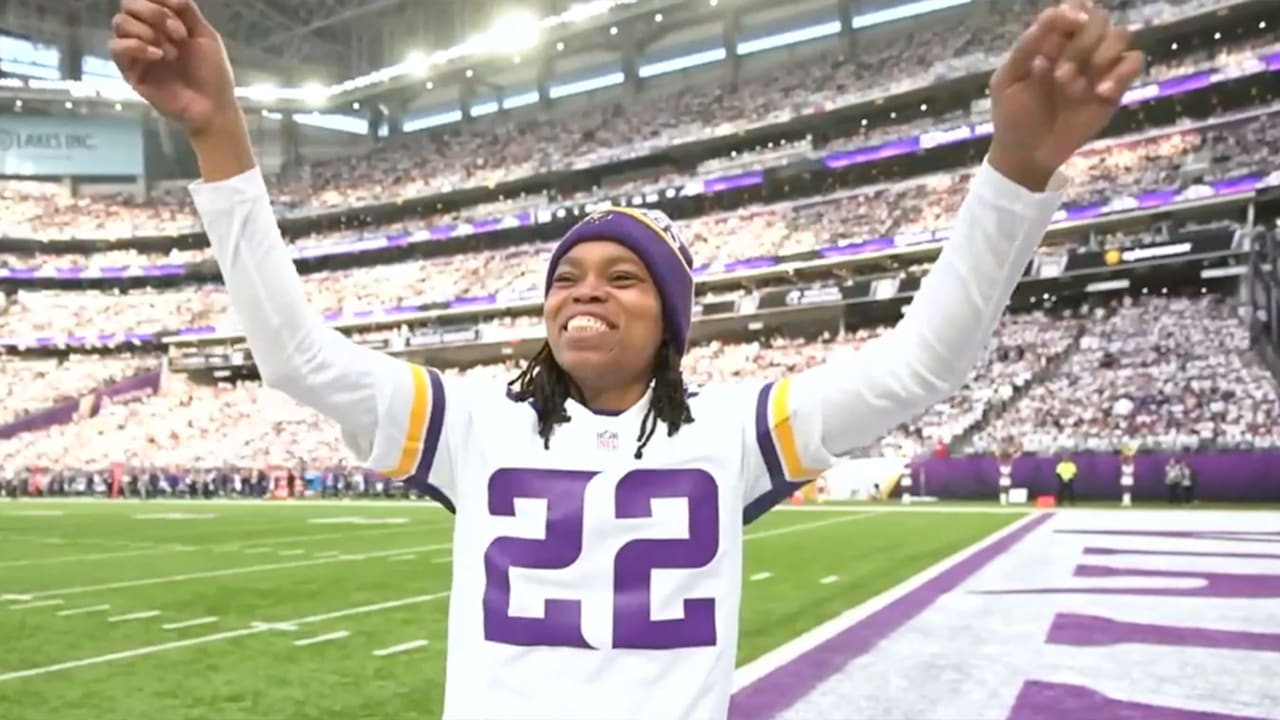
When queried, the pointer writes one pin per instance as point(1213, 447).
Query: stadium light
point(261, 92)
point(613, 29)
point(582, 11)
point(517, 30)
point(657, 17)
point(315, 93)
point(418, 63)
point(560, 46)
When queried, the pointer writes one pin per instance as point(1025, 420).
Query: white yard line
point(322, 638)
point(417, 599)
point(216, 637)
point(189, 623)
point(83, 610)
point(828, 579)
point(6, 597)
point(286, 627)
point(355, 532)
point(100, 556)
point(134, 616)
point(202, 640)
point(255, 551)
point(762, 576)
point(37, 604)
point(224, 573)
point(328, 554)
point(290, 553)
point(85, 541)
point(100, 659)
point(402, 647)
point(804, 526)
point(445, 559)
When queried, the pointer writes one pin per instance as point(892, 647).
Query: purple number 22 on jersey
point(633, 626)
point(562, 622)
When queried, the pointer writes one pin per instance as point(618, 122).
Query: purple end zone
point(770, 695)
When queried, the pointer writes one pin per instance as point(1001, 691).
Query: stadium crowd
point(510, 146)
point(1114, 170)
point(1167, 373)
point(1158, 372)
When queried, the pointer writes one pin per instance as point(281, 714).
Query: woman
point(598, 468)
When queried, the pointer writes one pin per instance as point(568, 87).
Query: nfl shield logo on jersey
point(607, 440)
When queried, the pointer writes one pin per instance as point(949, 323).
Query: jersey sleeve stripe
point(764, 438)
point(784, 434)
point(431, 443)
point(413, 439)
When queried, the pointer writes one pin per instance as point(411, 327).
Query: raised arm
point(391, 412)
point(1059, 87)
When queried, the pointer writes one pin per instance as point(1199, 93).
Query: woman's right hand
point(176, 61)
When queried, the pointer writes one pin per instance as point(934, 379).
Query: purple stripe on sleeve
point(431, 444)
point(780, 489)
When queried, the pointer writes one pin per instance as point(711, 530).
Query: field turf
point(228, 611)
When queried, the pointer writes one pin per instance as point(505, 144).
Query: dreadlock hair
point(545, 383)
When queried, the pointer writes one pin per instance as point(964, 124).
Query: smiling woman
point(619, 303)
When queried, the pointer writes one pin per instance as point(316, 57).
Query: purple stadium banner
point(59, 414)
point(1272, 61)
point(473, 301)
point(1234, 476)
point(857, 248)
point(135, 388)
point(732, 182)
point(105, 339)
point(138, 387)
point(750, 264)
point(893, 148)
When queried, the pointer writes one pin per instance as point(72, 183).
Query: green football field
point(228, 611)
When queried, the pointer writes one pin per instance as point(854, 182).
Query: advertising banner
point(70, 146)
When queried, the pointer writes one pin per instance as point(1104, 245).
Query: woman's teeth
point(585, 325)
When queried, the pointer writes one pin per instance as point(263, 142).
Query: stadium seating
point(1111, 171)
point(1162, 372)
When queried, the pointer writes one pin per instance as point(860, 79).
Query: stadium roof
point(314, 39)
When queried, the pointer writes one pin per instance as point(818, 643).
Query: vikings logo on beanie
point(654, 238)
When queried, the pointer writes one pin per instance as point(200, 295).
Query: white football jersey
point(586, 583)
